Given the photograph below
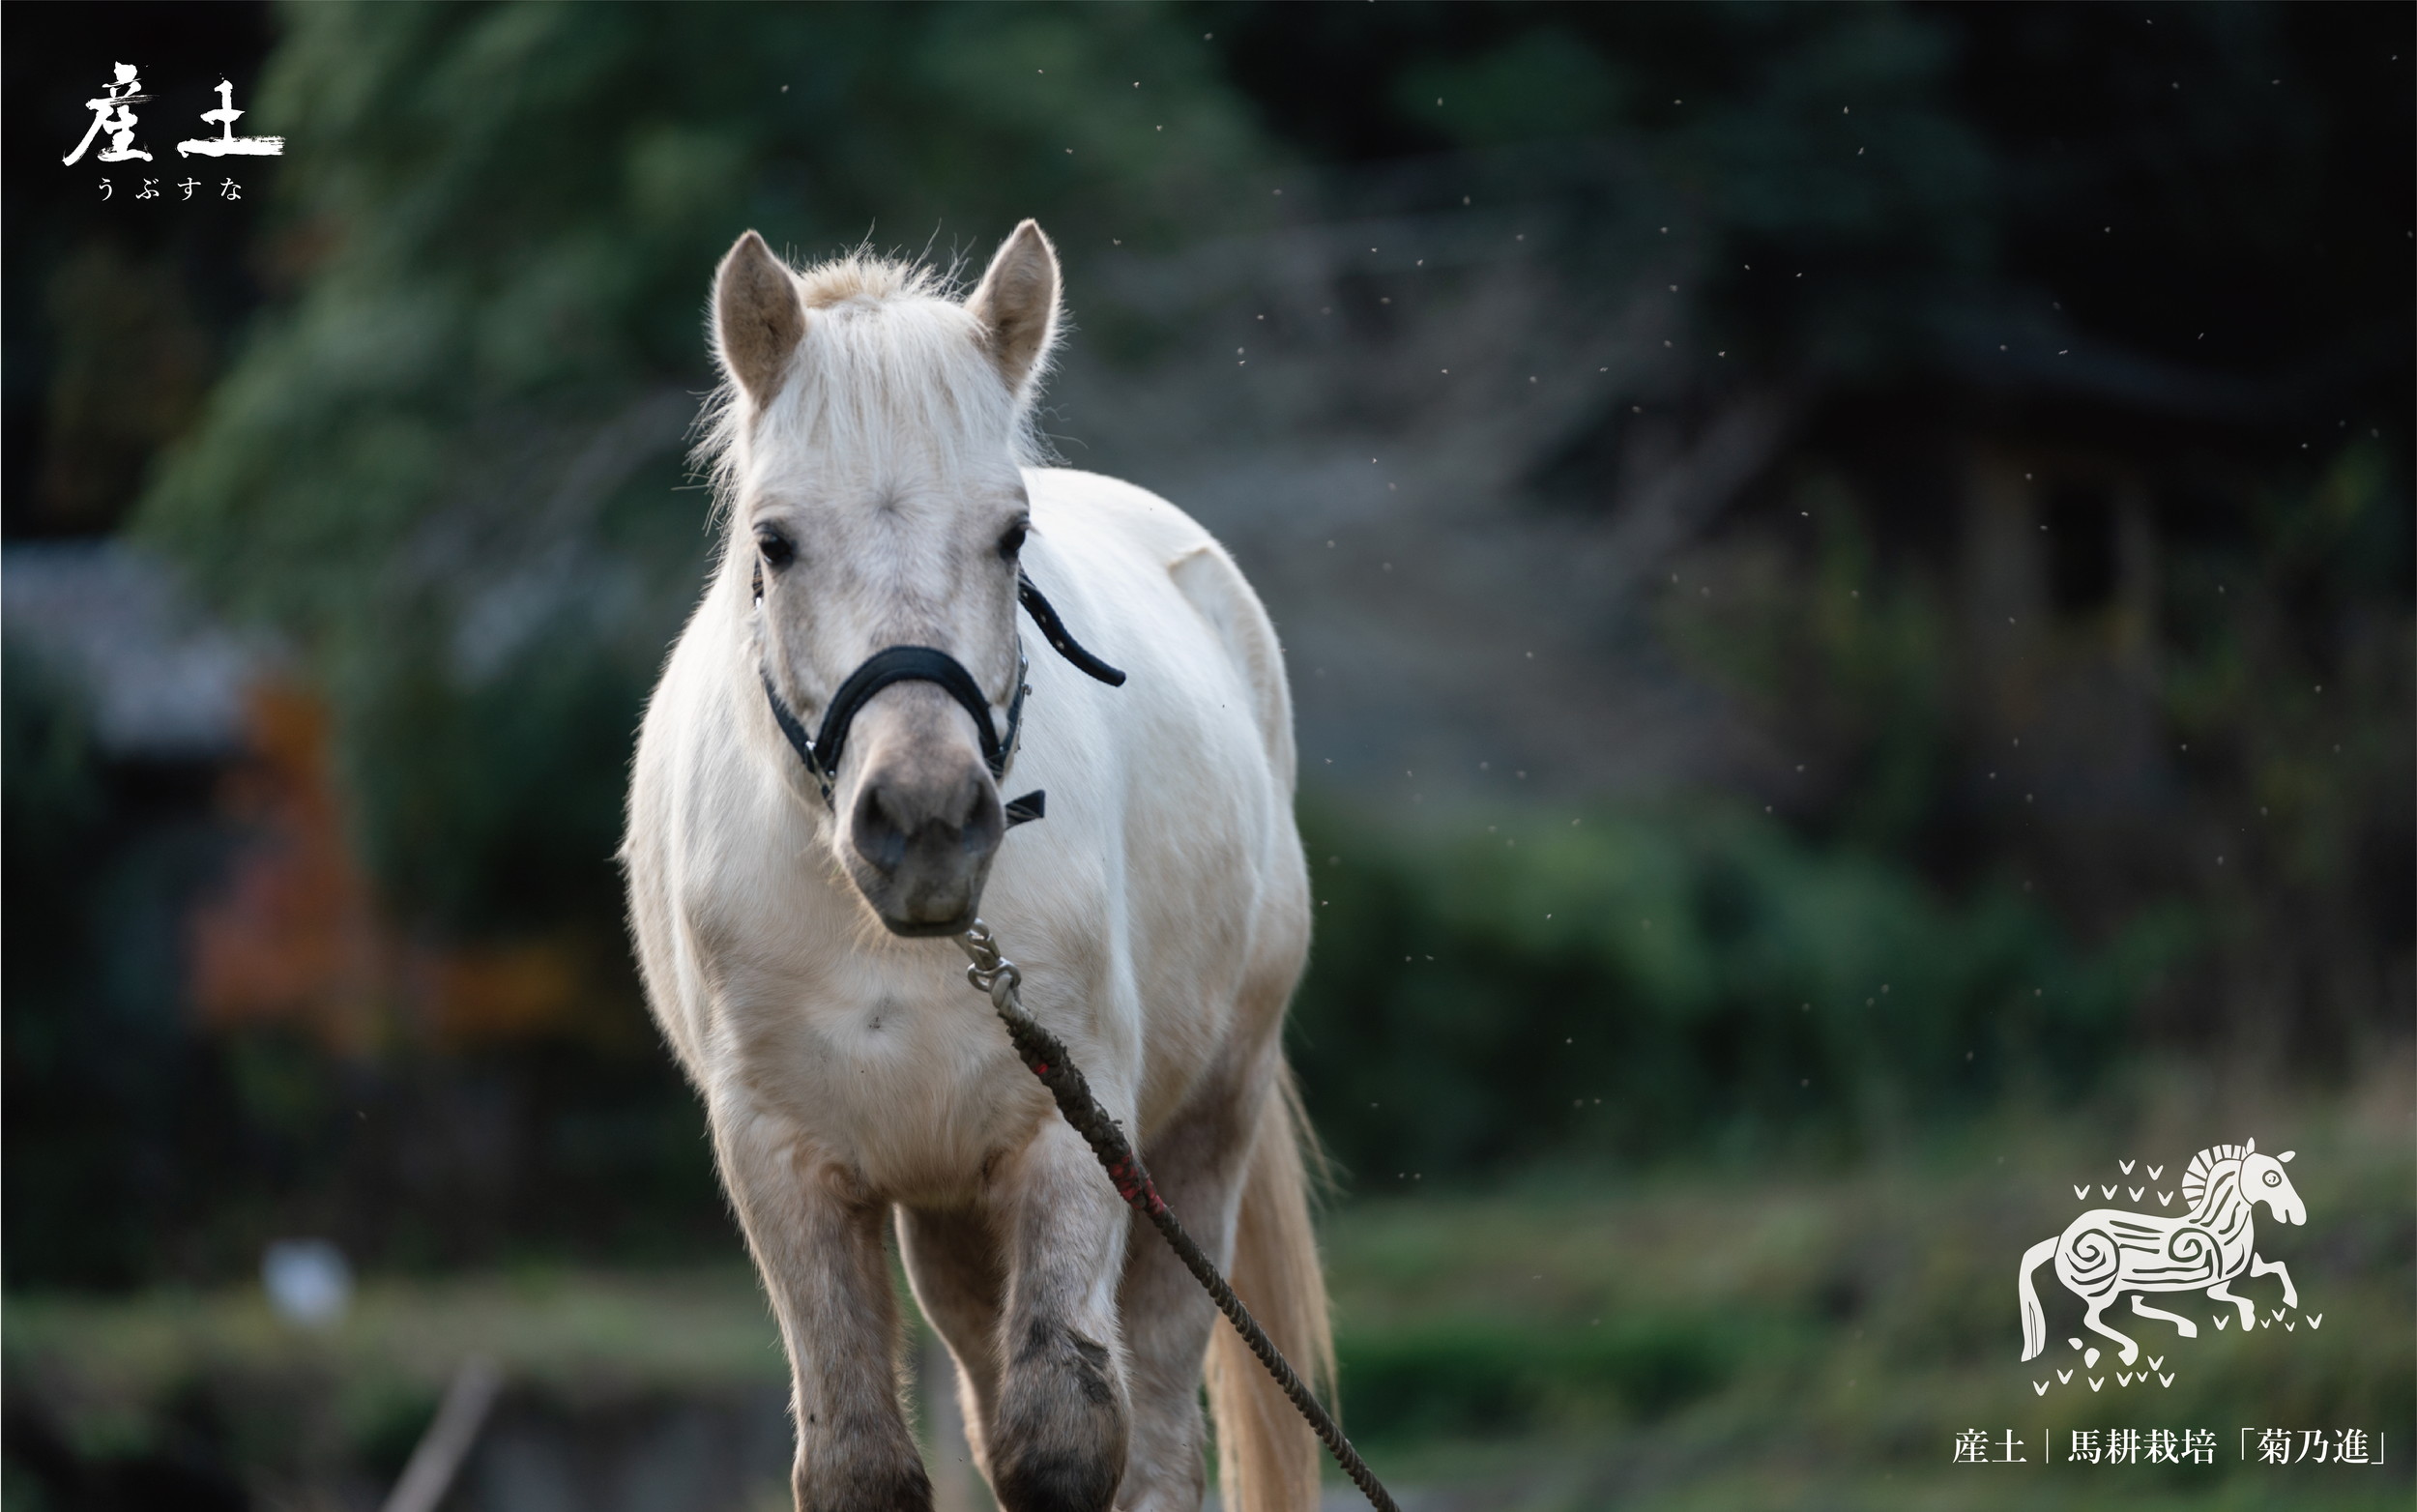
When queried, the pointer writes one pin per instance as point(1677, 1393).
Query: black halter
point(821, 752)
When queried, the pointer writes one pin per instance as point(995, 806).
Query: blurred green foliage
point(1815, 138)
point(2228, 734)
point(1690, 985)
point(2290, 680)
point(1833, 650)
point(2246, 159)
point(1473, 1377)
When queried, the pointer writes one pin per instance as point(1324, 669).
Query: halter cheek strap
point(821, 752)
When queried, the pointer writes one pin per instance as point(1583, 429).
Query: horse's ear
point(2286, 1156)
point(1018, 306)
point(758, 319)
point(2250, 1149)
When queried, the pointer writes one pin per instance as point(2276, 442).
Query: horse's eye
point(1012, 542)
point(777, 551)
point(2274, 1177)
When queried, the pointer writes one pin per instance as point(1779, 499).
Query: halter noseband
point(821, 752)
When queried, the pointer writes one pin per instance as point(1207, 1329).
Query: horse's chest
point(913, 1092)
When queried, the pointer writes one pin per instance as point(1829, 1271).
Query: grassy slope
point(1756, 1340)
point(1736, 1339)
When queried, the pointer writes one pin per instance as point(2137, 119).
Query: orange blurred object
point(295, 937)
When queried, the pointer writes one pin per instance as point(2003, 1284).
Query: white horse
point(867, 445)
point(2104, 1252)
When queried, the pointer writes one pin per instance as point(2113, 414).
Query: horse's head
point(870, 451)
point(2262, 1182)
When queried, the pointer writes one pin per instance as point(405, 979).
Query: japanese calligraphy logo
point(112, 113)
point(2108, 1252)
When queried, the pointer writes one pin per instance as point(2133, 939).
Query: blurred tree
point(2289, 688)
point(2222, 186)
point(2157, 261)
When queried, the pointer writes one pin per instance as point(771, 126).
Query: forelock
point(890, 360)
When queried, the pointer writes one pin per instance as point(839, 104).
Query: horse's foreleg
point(1198, 1164)
point(2222, 1292)
point(2131, 1350)
point(818, 1242)
point(952, 1262)
point(2181, 1324)
point(2276, 1268)
point(1058, 1431)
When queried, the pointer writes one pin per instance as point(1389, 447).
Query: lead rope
point(1044, 1054)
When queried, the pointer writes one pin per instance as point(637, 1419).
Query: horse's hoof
point(1066, 1482)
point(1060, 1441)
point(902, 1488)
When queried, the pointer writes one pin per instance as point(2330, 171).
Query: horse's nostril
point(976, 817)
point(876, 833)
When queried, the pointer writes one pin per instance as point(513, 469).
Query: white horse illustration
point(2105, 1253)
point(792, 895)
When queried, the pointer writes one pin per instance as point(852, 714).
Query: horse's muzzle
point(919, 838)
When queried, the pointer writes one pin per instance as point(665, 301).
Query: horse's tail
point(2035, 1318)
point(1267, 1458)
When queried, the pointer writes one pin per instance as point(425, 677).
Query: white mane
point(2204, 1166)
